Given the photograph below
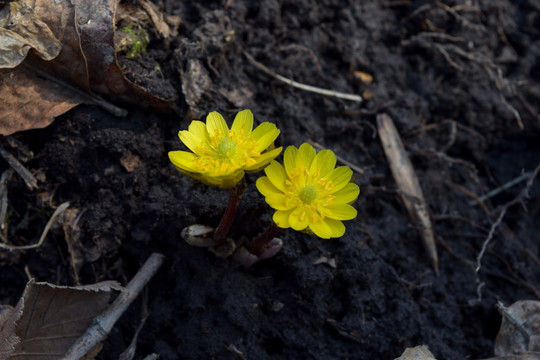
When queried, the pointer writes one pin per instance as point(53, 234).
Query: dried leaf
point(364, 77)
point(21, 30)
point(195, 82)
point(130, 161)
point(85, 29)
point(157, 18)
point(69, 220)
point(528, 356)
point(49, 318)
point(420, 352)
point(8, 338)
point(408, 184)
point(520, 329)
point(30, 101)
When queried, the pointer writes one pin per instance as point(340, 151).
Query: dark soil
point(458, 78)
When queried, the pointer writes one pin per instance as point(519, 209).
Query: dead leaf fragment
point(407, 182)
point(420, 352)
point(49, 318)
point(364, 77)
point(195, 82)
point(21, 29)
point(157, 18)
point(130, 161)
point(75, 53)
point(520, 329)
point(30, 101)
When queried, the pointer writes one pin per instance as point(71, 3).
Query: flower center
point(226, 148)
point(308, 194)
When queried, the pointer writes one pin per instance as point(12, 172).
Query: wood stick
point(103, 324)
point(317, 90)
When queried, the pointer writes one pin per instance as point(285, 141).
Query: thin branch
point(518, 199)
point(27, 176)
point(59, 210)
point(103, 324)
point(500, 189)
point(298, 85)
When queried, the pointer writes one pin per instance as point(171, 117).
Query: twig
point(103, 324)
point(27, 176)
point(509, 317)
point(6, 175)
point(519, 198)
point(86, 97)
point(57, 212)
point(298, 85)
point(340, 159)
point(500, 189)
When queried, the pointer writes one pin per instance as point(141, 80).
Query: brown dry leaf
point(157, 18)
point(69, 220)
point(21, 30)
point(520, 329)
point(364, 77)
point(130, 161)
point(49, 318)
point(30, 101)
point(7, 331)
point(420, 352)
point(85, 29)
point(408, 184)
point(195, 82)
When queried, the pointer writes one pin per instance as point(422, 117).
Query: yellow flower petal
point(305, 156)
point(243, 122)
point(216, 125)
point(298, 219)
point(265, 134)
point(276, 174)
point(289, 159)
point(192, 142)
point(337, 227)
point(265, 186)
point(340, 177)
point(198, 129)
point(264, 159)
point(325, 161)
point(321, 229)
point(347, 195)
point(281, 218)
point(183, 160)
point(278, 201)
point(341, 211)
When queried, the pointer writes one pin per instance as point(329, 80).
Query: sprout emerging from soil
point(309, 193)
point(221, 156)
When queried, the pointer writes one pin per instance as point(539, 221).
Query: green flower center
point(226, 148)
point(308, 194)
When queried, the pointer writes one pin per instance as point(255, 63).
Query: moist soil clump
point(460, 81)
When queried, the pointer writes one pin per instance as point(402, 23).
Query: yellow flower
point(221, 155)
point(309, 193)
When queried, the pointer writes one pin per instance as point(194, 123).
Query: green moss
point(135, 43)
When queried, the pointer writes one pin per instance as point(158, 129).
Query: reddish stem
point(256, 246)
point(235, 194)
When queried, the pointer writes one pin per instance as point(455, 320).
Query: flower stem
point(256, 246)
point(235, 194)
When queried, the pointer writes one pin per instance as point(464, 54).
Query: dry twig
point(59, 210)
point(103, 324)
point(524, 194)
point(407, 181)
point(298, 85)
point(27, 176)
